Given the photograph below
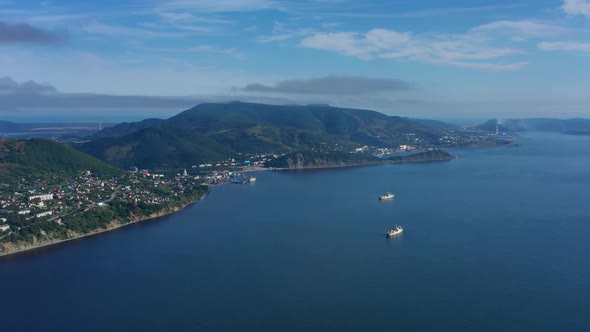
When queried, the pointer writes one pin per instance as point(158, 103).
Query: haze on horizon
point(119, 60)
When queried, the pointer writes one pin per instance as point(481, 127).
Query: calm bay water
point(496, 241)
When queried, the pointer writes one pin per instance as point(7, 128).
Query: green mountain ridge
point(213, 130)
point(215, 117)
point(37, 158)
point(157, 147)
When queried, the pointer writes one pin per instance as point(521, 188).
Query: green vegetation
point(217, 131)
point(79, 222)
point(37, 158)
point(161, 147)
point(50, 192)
point(311, 159)
point(427, 156)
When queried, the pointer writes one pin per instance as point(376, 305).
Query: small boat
point(395, 231)
point(386, 196)
point(252, 179)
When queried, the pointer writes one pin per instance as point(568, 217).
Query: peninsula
point(50, 193)
point(308, 160)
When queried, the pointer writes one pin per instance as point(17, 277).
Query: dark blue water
point(497, 241)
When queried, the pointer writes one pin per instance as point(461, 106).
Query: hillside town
point(54, 200)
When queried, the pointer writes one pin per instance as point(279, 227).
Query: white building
point(46, 197)
point(43, 214)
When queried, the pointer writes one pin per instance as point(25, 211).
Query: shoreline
point(327, 167)
point(56, 242)
point(384, 162)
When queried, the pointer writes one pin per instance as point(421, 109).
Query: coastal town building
point(44, 214)
point(45, 197)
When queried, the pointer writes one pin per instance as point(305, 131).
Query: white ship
point(252, 179)
point(395, 231)
point(386, 196)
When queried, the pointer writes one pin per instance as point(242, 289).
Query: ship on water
point(386, 196)
point(252, 179)
point(395, 231)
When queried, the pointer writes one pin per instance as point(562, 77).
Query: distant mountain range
point(570, 126)
point(221, 130)
point(213, 132)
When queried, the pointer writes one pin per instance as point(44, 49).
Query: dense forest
point(37, 158)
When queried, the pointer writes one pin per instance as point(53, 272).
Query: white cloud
point(55, 18)
point(430, 12)
point(363, 46)
point(280, 32)
point(387, 39)
point(346, 43)
point(577, 7)
point(273, 38)
point(490, 66)
point(216, 50)
point(465, 50)
point(232, 52)
point(173, 17)
point(196, 28)
point(523, 29)
point(565, 46)
point(116, 30)
point(333, 85)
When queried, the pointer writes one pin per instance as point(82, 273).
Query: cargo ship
point(395, 231)
point(386, 196)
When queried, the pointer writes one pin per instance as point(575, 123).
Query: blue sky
point(423, 58)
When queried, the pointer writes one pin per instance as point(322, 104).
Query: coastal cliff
point(307, 160)
point(311, 159)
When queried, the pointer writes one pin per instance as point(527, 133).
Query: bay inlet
point(494, 241)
